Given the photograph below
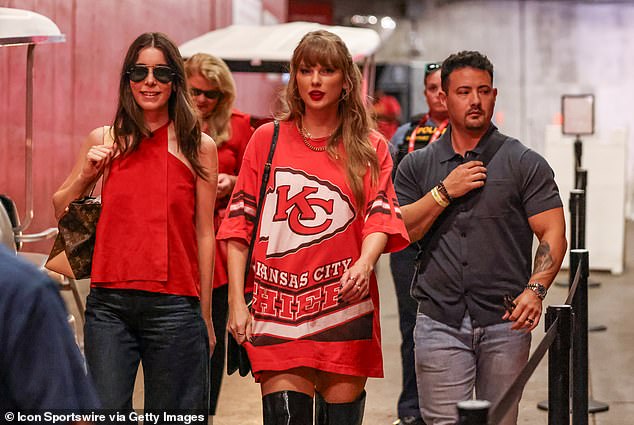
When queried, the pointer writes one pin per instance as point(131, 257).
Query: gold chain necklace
point(306, 135)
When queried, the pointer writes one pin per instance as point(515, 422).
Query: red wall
point(75, 83)
point(320, 11)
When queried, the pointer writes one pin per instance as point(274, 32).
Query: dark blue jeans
point(164, 332)
point(403, 264)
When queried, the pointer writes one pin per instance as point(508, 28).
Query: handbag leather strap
point(105, 129)
point(265, 180)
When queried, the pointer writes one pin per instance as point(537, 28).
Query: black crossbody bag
point(237, 358)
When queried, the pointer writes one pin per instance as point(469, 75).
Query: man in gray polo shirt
point(474, 199)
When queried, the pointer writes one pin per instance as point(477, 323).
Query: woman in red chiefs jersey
point(329, 211)
point(213, 90)
point(150, 295)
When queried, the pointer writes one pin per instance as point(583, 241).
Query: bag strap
point(265, 181)
point(105, 129)
point(493, 145)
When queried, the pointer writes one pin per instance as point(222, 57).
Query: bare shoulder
point(208, 153)
point(97, 136)
point(207, 144)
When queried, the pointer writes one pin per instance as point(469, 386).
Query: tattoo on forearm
point(543, 259)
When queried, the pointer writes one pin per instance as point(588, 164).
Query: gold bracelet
point(438, 198)
point(443, 191)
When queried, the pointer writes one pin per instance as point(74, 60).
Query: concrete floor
point(611, 357)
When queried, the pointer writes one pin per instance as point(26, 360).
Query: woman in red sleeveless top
point(213, 91)
point(329, 211)
point(150, 295)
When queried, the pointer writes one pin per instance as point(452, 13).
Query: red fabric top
point(146, 235)
point(311, 233)
point(230, 155)
point(230, 152)
point(387, 111)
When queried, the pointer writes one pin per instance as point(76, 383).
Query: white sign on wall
point(577, 112)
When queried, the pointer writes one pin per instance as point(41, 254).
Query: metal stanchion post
point(576, 242)
point(580, 221)
point(581, 179)
point(574, 207)
point(473, 412)
point(580, 334)
point(559, 365)
point(581, 182)
point(578, 152)
point(581, 406)
point(577, 208)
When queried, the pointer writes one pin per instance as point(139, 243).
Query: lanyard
point(437, 133)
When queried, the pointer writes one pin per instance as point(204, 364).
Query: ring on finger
point(530, 321)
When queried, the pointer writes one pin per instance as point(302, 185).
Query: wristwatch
point(539, 289)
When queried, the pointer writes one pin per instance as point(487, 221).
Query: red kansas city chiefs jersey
point(310, 233)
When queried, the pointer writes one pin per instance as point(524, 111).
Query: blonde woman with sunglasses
point(213, 90)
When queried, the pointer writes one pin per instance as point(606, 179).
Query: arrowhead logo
point(302, 210)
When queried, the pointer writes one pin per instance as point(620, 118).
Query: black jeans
point(164, 332)
point(403, 264)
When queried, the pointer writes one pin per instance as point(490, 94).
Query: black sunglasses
point(209, 94)
point(163, 73)
point(431, 67)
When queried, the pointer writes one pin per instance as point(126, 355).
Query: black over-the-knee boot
point(339, 413)
point(287, 408)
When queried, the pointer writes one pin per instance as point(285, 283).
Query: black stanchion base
point(597, 328)
point(591, 284)
point(597, 406)
point(593, 406)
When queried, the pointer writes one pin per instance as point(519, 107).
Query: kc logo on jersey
point(302, 210)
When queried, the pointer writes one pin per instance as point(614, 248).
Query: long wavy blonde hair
point(215, 70)
point(327, 49)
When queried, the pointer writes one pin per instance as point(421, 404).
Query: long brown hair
point(129, 123)
point(327, 49)
point(216, 71)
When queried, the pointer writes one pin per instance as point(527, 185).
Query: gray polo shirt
point(475, 253)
